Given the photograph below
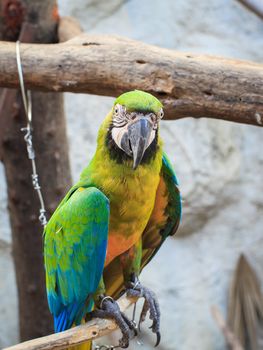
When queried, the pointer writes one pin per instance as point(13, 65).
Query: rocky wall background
point(219, 165)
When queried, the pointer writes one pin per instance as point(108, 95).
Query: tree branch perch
point(91, 330)
point(255, 6)
point(188, 85)
point(230, 337)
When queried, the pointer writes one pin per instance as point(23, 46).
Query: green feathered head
point(133, 133)
point(139, 101)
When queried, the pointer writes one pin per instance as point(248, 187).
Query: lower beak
point(139, 134)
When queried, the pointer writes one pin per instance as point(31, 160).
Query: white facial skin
point(122, 119)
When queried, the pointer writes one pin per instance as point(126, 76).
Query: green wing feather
point(74, 251)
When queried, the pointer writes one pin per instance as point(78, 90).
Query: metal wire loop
point(106, 298)
point(28, 137)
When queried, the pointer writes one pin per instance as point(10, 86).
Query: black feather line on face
point(120, 156)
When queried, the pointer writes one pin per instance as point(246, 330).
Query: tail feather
point(60, 321)
point(85, 346)
point(71, 316)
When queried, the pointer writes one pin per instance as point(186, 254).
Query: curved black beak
point(139, 134)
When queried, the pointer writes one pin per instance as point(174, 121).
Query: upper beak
point(139, 134)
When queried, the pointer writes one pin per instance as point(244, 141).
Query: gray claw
point(130, 324)
point(150, 304)
point(110, 309)
point(144, 311)
point(158, 335)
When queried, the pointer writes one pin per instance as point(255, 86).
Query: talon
point(110, 309)
point(150, 304)
point(123, 343)
point(143, 313)
point(158, 335)
point(130, 324)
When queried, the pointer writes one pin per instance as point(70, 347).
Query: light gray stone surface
point(219, 166)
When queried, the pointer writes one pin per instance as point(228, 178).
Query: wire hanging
point(27, 102)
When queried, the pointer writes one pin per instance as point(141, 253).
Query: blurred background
point(219, 166)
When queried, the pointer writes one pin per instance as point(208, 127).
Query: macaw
point(113, 221)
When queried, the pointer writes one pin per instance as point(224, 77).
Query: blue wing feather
point(75, 250)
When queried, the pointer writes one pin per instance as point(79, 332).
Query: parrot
point(113, 221)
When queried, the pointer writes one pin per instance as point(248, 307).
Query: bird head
point(133, 131)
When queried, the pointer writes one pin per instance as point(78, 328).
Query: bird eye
point(161, 114)
point(116, 110)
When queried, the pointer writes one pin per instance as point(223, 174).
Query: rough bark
point(49, 136)
point(44, 14)
point(189, 85)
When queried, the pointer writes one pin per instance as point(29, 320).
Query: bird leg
point(151, 304)
point(131, 266)
point(108, 308)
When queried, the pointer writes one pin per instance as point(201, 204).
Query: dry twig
point(91, 330)
point(230, 338)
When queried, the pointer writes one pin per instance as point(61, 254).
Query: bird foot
point(151, 304)
point(110, 309)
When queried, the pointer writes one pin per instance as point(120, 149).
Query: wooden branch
point(38, 22)
point(255, 6)
point(230, 337)
point(189, 85)
point(91, 330)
